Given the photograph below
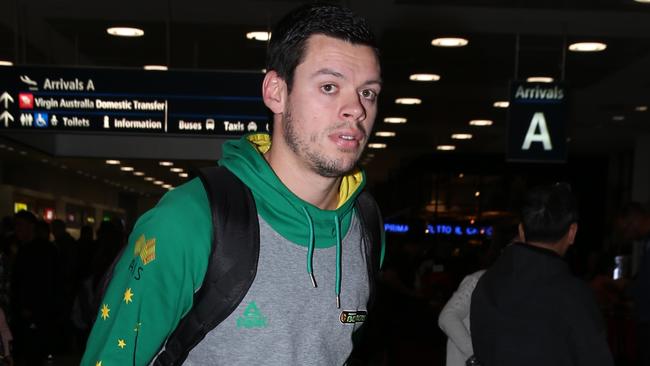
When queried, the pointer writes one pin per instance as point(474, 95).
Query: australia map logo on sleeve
point(146, 249)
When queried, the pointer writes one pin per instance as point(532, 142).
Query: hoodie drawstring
point(338, 262)
point(310, 255)
point(310, 248)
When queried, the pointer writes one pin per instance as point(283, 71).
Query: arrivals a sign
point(537, 122)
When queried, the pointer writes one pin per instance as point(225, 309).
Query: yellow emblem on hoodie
point(146, 249)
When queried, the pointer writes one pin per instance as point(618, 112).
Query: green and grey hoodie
point(309, 258)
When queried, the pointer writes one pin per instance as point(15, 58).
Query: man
point(633, 222)
point(322, 85)
point(528, 309)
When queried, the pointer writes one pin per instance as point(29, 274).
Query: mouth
point(348, 140)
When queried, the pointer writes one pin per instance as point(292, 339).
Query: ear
point(522, 235)
point(274, 92)
point(573, 230)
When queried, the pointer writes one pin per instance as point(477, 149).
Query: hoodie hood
point(293, 218)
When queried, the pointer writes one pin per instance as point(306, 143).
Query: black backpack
point(232, 268)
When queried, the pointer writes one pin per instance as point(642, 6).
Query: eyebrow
point(327, 71)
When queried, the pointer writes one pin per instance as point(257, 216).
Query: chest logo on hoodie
point(252, 318)
point(351, 317)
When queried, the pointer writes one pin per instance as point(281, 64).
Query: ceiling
point(508, 39)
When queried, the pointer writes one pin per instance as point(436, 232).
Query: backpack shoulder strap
point(373, 237)
point(231, 267)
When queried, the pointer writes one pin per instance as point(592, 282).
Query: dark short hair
point(548, 212)
point(289, 37)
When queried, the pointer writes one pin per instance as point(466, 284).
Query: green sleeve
point(154, 281)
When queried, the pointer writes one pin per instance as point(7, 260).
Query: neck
point(322, 192)
point(558, 247)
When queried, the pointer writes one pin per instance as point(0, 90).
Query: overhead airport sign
point(537, 122)
point(127, 100)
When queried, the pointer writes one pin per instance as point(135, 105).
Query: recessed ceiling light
point(158, 182)
point(125, 32)
point(155, 67)
point(6, 63)
point(138, 174)
point(641, 108)
point(23, 152)
point(395, 120)
point(446, 147)
point(377, 146)
point(540, 79)
point(384, 134)
point(408, 101)
point(461, 136)
point(587, 47)
point(501, 104)
point(449, 42)
point(259, 36)
point(183, 175)
point(149, 179)
point(480, 122)
point(424, 77)
point(618, 118)
point(113, 162)
point(126, 168)
point(643, 1)
point(168, 186)
point(176, 170)
point(477, 193)
point(166, 163)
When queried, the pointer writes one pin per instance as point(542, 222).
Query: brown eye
point(328, 88)
point(369, 94)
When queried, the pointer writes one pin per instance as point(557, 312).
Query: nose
point(353, 109)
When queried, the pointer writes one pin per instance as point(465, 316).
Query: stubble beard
point(323, 166)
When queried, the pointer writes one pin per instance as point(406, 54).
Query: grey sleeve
point(455, 311)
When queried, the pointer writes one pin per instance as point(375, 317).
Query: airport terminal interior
point(107, 106)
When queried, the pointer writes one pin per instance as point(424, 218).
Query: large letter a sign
point(537, 122)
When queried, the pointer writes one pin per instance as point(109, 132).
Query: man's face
point(331, 109)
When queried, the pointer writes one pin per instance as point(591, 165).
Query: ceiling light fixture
point(168, 186)
point(125, 32)
point(618, 118)
point(408, 101)
point(461, 136)
point(166, 163)
point(377, 146)
point(149, 179)
point(480, 122)
point(138, 174)
point(158, 182)
point(501, 104)
point(113, 162)
point(259, 36)
point(641, 108)
point(176, 170)
point(643, 1)
point(587, 47)
point(445, 147)
point(126, 168)
point(395, 120)
point(6, 63)
point(540, 79)
point(156, 67)
point(183, 175)
point(449, 42)
point(424, 77)
point(385, 134)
